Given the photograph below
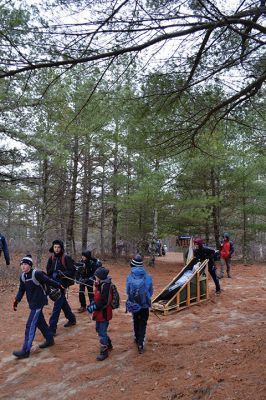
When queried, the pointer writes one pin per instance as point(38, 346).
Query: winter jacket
point(61, 263)
point(139, 273)
point(90, 267)
point(36, 295)
point(225, 249)
point(4, 248)
point(102, 300)
point(203, 253)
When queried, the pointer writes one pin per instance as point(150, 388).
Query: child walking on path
point(31, 282)
point(102, 310)
point(139, 288)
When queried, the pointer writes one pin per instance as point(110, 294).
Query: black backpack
point(115, 302)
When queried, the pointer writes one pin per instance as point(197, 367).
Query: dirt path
point(215, 350)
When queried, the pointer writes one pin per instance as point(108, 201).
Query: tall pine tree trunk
point(42, 211)
point(70, 241)
point(215, 208)
point(115, 193)
point(86, 198)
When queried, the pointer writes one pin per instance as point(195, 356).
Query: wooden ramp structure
point(189, 287)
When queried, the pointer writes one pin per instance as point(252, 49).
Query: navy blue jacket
point(4, 248)
point(36, 296)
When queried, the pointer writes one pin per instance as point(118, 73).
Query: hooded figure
point(139, 288)
point(60, 267)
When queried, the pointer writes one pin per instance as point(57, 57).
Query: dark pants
point(35, 320)
point(101, 329)
point(82, 289)
point(212, 271)
point(60, 304)
point(140, 320)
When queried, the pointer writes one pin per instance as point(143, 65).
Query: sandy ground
point(215, 350)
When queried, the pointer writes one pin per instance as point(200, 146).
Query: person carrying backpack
point(31, 283)
point(60, 267)
point(226, 252)
point(139, 289)
point(86, 277)
point(101, 310)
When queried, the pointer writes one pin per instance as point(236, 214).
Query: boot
point(103, 353)
point(140, 348)
point(70, 323)
point(81, 309)
point(109, 344)
point(21, 354)
point(228, 273)
point(46, 343)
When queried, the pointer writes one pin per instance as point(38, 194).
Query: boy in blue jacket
point(139, 288)
point(31, 282)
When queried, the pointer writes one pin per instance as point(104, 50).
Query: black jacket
point(60, 268)
point(204, 252)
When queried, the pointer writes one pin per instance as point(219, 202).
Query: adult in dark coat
point(201, 253)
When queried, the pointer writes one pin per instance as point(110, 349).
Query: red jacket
point(103, 299)
point(225, 249)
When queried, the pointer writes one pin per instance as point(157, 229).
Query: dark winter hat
point(226, 235)
point(199, 242)
point(87, 254)
point(101, 273)
point(61, 244)
point(136, 261)
point(27, 260)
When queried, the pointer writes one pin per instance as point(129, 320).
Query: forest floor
point(215, 350)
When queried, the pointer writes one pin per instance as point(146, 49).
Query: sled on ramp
point(189, 287)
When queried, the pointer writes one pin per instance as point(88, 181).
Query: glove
point(15, 305)
point(91, 308)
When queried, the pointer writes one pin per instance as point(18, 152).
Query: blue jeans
point(35, 320)
point(60, 304)
point(101, 329)
point(212, 271)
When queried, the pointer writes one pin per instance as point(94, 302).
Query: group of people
point(203, 252)
point(60, 274)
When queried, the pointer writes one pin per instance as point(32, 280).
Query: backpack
point(137, 294)
point(232, 250)
point(115, 302)
point(54, 294)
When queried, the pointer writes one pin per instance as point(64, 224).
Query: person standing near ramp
point(60, 267)
point(202, 253)
point(139, 289)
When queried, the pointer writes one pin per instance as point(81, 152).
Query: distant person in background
point(4, 249)
point(201, 253)
point(226, 252)
point(164, 250)
point(158, 247)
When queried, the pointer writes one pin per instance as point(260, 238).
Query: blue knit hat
point(136, 261)
point(101, 273)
